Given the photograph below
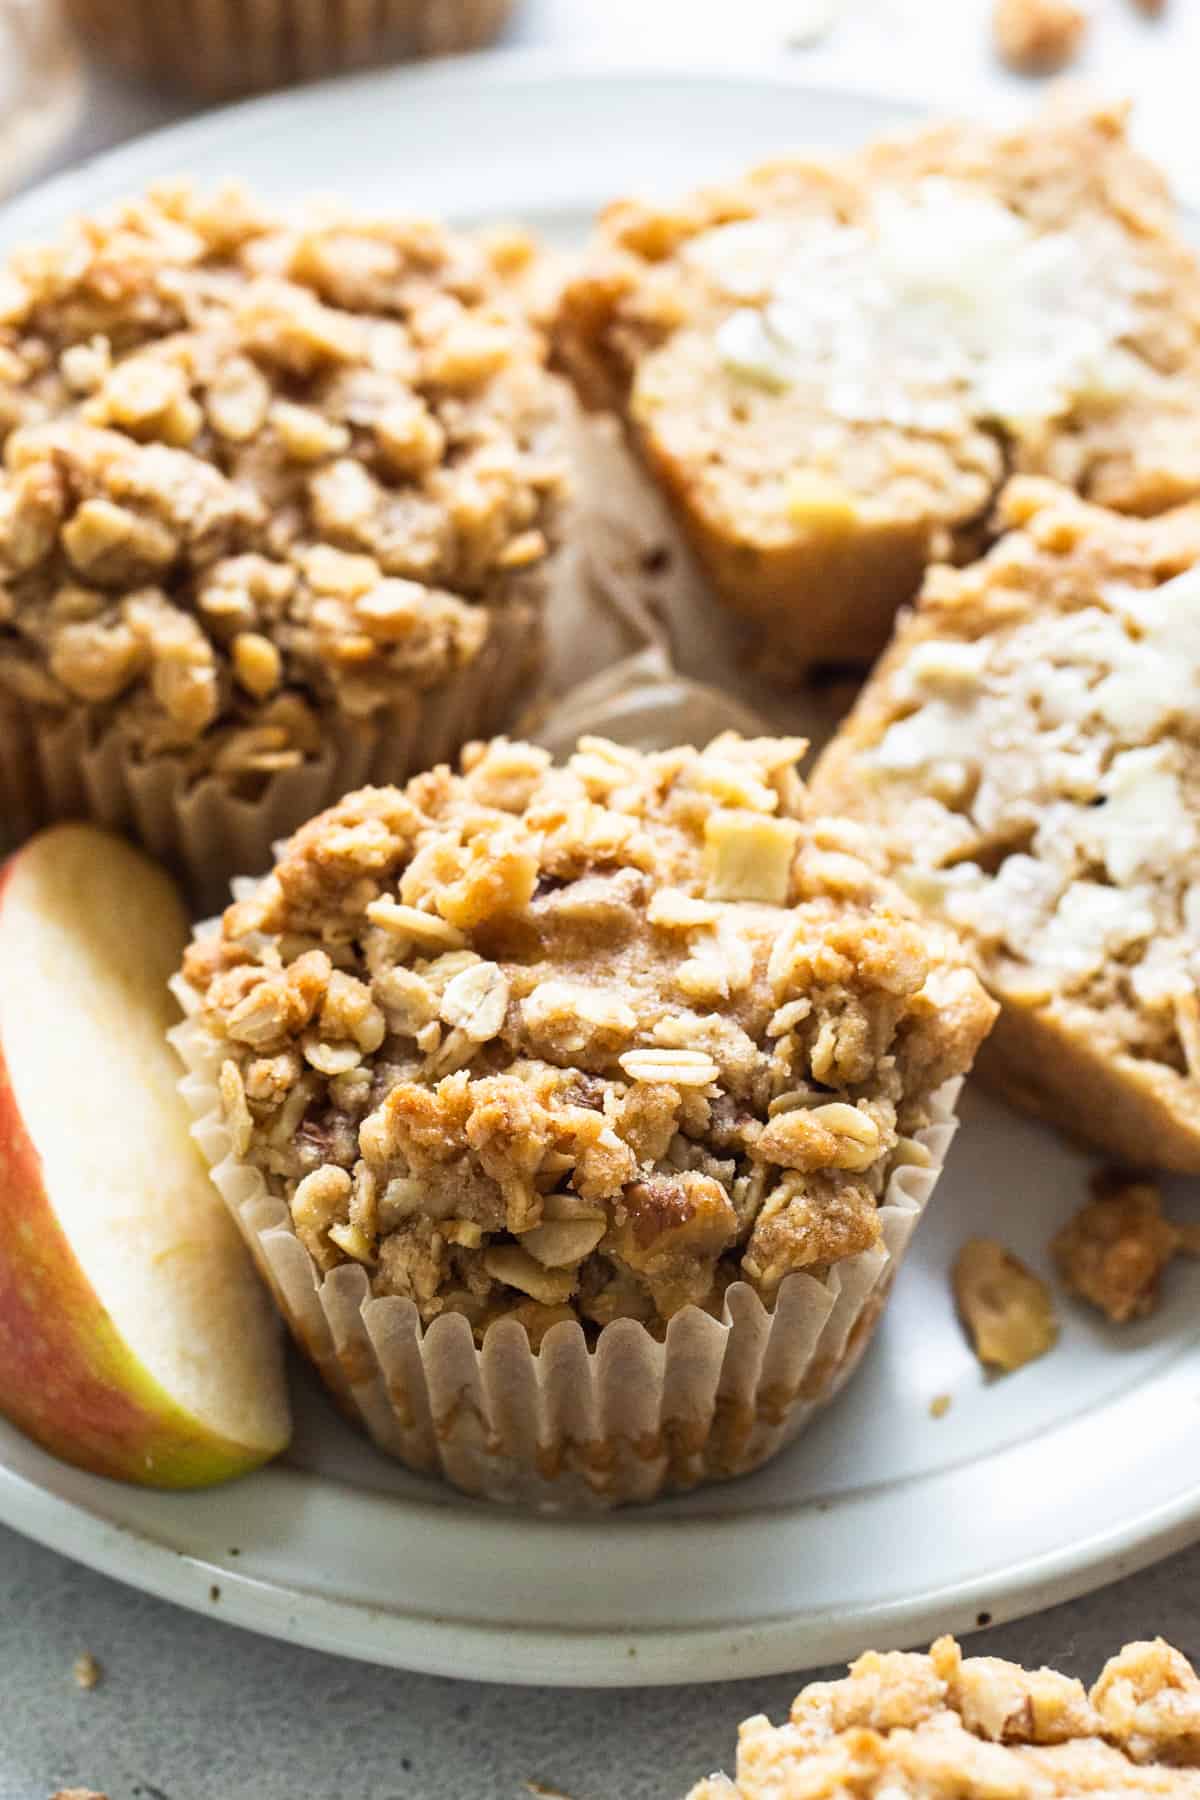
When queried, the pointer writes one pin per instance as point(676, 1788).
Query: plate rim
point(483, 1650)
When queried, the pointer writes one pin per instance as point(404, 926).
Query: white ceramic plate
point(884, 1525)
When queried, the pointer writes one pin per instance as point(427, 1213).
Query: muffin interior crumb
point(586, 1042)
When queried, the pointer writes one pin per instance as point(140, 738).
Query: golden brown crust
point(912, 1727)
point(605, 1037)
point(259, 470)
point(1027, 752)
point(817, 521)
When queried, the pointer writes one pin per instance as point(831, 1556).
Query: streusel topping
point(582, 1042)
point(1031, 750)
point(257, 470)
point(906, 1727)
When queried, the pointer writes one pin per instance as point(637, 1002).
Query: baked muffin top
point(257, 470)
point(906, 1727)
point(585, 1042)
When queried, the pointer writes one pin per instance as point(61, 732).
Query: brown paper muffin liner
point(568, 1427)
point(53, 767)
point(221, 47)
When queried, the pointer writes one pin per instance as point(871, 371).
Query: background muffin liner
point(54, 767)
point(568, 1427)
point(217, 47)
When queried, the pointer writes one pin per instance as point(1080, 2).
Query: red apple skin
point(67, 1378)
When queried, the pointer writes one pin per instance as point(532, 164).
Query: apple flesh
point(136, 1339)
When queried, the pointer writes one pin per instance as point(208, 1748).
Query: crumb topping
point(1031, 750)
point(911, 1727)
point(1115, 1250)
point(582, 1042)
point(255, 469)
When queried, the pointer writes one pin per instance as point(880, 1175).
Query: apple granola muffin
point(275, 511)
point(608, 1055)
point(831, 366)
point(1027, 755)
point(906, 1727)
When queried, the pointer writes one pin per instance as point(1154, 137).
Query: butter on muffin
point(1027, 755)
point(275, 512)
point(907, 1727)
point(830, 366)
point(630, 1044)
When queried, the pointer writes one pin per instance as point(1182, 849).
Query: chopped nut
point(86, 1670)
point(1114, 1250)
point(1038, 37)
point(748, 856)
point(1005, 1307)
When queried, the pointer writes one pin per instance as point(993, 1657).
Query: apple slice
point(135, 1336)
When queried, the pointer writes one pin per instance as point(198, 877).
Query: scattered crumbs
point(214, 1593)
point(543, 1792)
point(1114, 1250)
point(86, 1670)
point(1007, 1310)
point(939, 1406)
point(78, 1794)
point(982, 1619)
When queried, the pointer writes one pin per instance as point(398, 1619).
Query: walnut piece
point(1114, 1250)
point(1006, 1308)
point(1038, 37)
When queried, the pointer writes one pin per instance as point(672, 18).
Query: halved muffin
point(1027, 753)
point(277, 500)
point(580, 1061)
point(831, 366)
point(906, 1727)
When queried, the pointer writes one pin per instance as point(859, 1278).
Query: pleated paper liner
point(51, 767)
point(224, 47)
point(569, 1427)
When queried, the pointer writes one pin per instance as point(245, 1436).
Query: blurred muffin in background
point(224, 47)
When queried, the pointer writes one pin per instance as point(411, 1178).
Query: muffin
point(226, 47)
point(830, 367)
point(276, 510)
point(902, 1727)
point(579, 1116)
point(1027, 756)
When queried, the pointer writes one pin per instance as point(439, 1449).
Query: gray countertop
point(191, 1709)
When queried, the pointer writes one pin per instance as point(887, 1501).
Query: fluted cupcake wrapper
point(55, 767)
point(219, 47)
point(568, 1427)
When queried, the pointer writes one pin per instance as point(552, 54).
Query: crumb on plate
point(1114, 1250)
point(1038, 37)
point(1007, 1309)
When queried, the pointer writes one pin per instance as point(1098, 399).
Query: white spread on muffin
point(941, 287)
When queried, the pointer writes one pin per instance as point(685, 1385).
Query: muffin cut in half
point(1027, 753)
point(831, 366)
point(275, 508)
point(908, 1727)
point(580, 1060)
